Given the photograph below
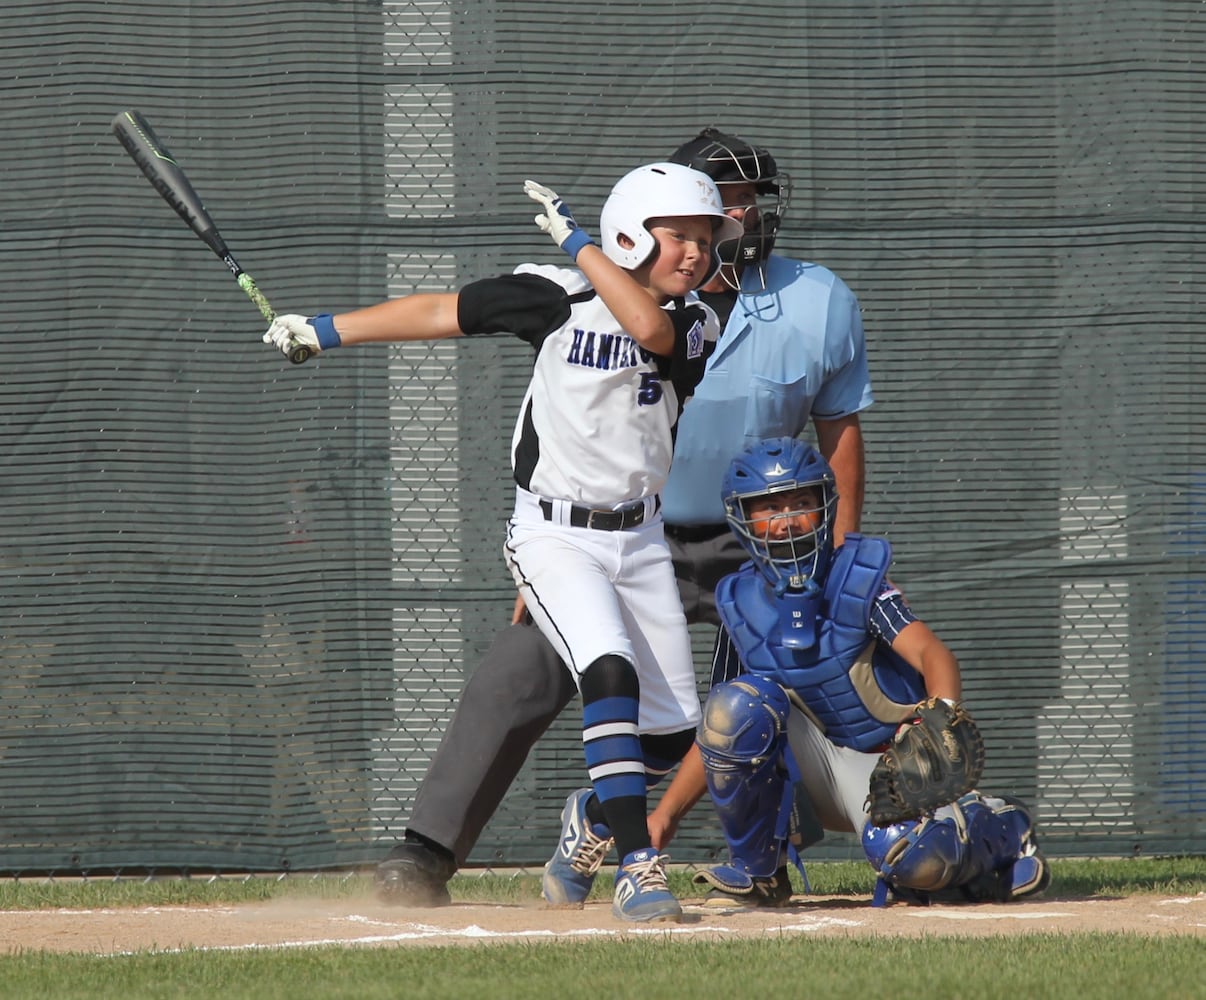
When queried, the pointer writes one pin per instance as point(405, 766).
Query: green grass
point(1058, 966)
point(1083, 967)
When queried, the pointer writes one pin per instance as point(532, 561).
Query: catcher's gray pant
point(836, 778)
point(517, 691)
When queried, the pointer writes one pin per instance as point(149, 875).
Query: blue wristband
point(575, 242)
point(324, 326)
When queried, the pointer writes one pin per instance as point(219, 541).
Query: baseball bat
point(168, 178)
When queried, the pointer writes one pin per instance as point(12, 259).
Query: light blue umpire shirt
point(790, 353)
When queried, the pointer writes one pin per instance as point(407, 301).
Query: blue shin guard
point(742, 740)
point(977, 849)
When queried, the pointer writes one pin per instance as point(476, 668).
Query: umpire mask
point(731, 161)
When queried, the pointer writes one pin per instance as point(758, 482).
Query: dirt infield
point(294, 923)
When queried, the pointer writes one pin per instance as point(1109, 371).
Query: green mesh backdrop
point(239, 598)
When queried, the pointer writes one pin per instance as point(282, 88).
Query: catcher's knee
point(925, 855)
point(744, 724)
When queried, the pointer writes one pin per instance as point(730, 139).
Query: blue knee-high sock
point(610, 710)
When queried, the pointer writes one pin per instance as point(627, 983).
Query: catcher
point(833, 707)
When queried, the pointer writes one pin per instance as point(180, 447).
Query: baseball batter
point(621, 341)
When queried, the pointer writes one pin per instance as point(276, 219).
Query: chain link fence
point(240, 598)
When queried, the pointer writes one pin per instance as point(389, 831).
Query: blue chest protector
point(821, 650)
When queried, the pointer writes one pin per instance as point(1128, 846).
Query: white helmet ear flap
point(628, 245)
point(659, 190)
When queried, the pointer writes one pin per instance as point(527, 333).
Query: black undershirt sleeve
point(526, 305)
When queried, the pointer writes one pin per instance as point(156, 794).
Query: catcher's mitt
point(931, 761)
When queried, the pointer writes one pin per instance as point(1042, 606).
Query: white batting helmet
point(660, 190)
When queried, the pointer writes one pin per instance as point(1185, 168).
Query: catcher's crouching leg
point(976, 849)
point(742, 740)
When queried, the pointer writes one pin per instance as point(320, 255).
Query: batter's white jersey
point(596, 426)
point(596, 433)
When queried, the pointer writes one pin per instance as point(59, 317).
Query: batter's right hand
point(289, 332)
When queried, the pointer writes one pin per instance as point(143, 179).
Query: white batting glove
point(289, 332)
point(556, 220)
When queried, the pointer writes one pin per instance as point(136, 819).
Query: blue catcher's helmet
point(786, 550)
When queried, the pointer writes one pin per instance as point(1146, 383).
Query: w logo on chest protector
point(605, 351)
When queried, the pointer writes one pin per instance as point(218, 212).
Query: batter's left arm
point(841, 442)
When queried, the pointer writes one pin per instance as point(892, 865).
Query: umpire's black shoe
point(413, 874)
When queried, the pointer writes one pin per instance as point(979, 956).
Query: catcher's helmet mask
point(728, 159)
point(793, 545)
point(661, 191)
point(772, 467)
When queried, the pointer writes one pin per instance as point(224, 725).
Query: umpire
point(792, 351)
